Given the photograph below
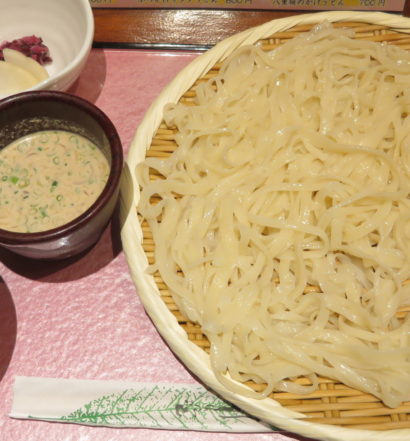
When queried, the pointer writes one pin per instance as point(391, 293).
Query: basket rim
point(193, 357)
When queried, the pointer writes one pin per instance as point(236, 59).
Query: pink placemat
point(82, 318)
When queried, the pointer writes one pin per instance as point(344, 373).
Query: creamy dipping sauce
point(47, 179)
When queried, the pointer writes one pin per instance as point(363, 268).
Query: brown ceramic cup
point(30, 112)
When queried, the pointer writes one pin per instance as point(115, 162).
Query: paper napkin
point(129, 404)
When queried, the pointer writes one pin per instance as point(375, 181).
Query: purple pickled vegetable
point(31, 46)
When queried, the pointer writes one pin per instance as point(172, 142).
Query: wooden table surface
point(169, 27)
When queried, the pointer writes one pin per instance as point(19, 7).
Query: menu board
point(362, 5)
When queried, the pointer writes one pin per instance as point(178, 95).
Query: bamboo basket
point(334, 411)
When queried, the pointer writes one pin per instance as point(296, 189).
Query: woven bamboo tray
point(334, 411)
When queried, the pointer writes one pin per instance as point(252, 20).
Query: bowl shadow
point(8, 327)
point(92, 79)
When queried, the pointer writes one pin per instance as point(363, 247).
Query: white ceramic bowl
point(66, 27)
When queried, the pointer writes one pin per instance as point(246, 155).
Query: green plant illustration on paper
point(161, 407)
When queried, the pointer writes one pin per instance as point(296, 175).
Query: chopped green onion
point(43, 212)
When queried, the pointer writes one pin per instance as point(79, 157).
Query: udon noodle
point(281, 222)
